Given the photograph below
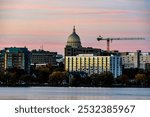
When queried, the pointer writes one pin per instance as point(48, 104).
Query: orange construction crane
point(100, 38)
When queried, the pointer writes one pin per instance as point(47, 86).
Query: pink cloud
point(69, 10)
point(24, 7)
point(49, 28)
point(34, 32)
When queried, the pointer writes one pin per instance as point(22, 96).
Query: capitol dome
point(74, 40)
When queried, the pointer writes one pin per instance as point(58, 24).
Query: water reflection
point(72, 93)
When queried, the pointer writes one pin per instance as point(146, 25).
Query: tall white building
point(135, 59)
point(94, 64)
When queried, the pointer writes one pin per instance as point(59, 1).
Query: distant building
point(2, 61)
point(74, 47)
point(135, 59)
point(77, 74)
point(147, 66)
point(42, 57)
point(59, 58)
point(15, 58)
point(93, 64)
point(71, 51)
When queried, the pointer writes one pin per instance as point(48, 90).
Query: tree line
point(50, 76)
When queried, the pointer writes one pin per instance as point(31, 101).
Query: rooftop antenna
point(74, 29)
point(42, 47)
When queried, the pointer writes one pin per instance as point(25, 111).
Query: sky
point(48, 23)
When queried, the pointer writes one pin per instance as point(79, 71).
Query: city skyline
point(33, 23)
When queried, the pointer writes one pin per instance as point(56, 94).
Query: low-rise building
point(93, 64)
point(72, 51)
point(42, 57)
point(135, 59)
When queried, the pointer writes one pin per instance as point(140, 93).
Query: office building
point(42, 57)
point(93, 64)
point(15, 58)
point(2, 60)
point(136, 59)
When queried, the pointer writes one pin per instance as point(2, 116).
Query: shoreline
point(23, 86)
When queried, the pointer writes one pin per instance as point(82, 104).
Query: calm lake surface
point(73, 93)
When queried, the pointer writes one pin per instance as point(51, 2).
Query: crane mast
point(108, 40)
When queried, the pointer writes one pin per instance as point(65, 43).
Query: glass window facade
point(94, 64)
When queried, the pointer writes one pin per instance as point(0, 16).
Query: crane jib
point(111, 39)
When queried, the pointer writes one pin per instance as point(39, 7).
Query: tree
point(2, 79)
point(148, 81)
point(108, 78)
point(124, 79)
point(57, 78)
point(73, 82)
point(9, 78)
point(95, 80)
point(42, 75)
point(103, 79)
point(86, 81)
point(140, 79)
point(26, 79)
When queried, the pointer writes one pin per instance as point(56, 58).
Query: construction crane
point(100, 38)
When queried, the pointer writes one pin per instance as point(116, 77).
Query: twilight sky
point(33, 23)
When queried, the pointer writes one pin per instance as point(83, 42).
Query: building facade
point(42, 57)
point(135, 59)
point(71, 51)
point(15, 58)
point(93, 64)
point(2, 60)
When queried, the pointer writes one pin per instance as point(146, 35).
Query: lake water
point(73, 93)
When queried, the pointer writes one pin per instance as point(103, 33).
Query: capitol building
point(74, 46)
